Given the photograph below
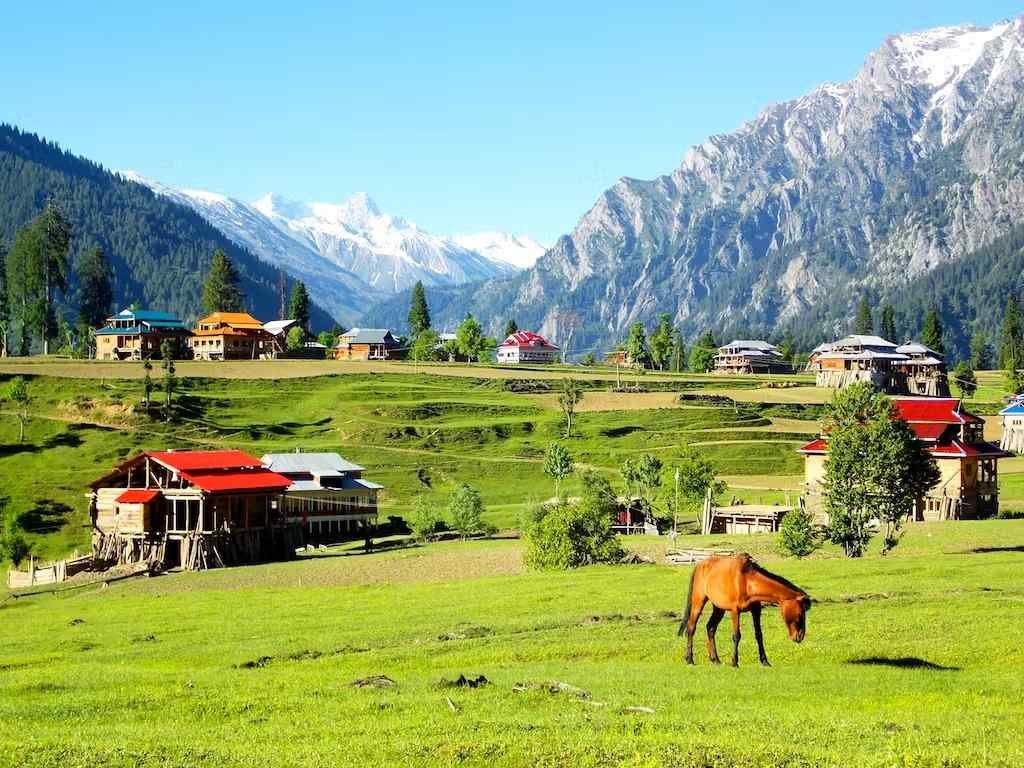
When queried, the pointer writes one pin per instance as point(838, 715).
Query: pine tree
point(1012, 340)
point(510, 328)
point(678, 362)
point(56, 240)
point(702, 355)
point(863, 324)
point(299, 306)
point(221, 291)
point(888, 329)
point(170, 382)
point(931, 332)
point(95, 290)
point(981, 352)
point(4, 311)
point(661, 341)
point(787, 347)
point(419, 311)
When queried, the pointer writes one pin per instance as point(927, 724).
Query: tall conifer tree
point(888, 329)
point(95, 290)
point(221, 291)
point(863, 324)
point(931, 332)
point(299, 305)
point(419, 312)
point(1010, 345)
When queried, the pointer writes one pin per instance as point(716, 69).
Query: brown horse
point(736, 584)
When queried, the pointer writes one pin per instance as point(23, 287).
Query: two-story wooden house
point(368, 344)
point(194, 509)
point(328, 496)
point(969, 484)
point(232, 336)
point(137, 334)
point(750, 356)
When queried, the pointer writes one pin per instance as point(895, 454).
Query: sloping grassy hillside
point(415, 433)
point(910, 660)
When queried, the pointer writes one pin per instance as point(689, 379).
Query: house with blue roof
point(137, 334)
point(1012, 417)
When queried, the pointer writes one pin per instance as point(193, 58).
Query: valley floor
point(910, 659)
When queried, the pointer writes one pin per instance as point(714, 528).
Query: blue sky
point(459, 116)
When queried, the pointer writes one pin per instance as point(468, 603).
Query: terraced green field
point(415, 433)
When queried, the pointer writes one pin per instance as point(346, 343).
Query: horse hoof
point(716, 661)
point(689, 662)
point(764, 663)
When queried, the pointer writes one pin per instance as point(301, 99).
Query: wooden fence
point(52, 573)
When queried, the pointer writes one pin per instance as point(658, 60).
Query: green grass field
point(911, 660)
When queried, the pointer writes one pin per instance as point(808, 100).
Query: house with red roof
point(969, 484)
point(526, 347)
point(194, 509)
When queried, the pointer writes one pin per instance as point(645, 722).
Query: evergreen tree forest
point(158, 251)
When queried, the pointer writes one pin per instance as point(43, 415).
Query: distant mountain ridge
point(159, 250)
point(857, 187)
point(350, 254)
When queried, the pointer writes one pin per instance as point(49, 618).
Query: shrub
point(562, 536)
point(797, 536)
point(466, 510)
point(13, 546)
point(425, 519)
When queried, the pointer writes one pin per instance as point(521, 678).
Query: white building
point(526, 347)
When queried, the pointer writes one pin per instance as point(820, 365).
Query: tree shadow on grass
point(45, 517)
point(902, 662)
point(989, 550)
point(16, 448)
point(67, 439)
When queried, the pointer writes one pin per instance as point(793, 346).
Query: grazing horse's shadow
point(902, 662)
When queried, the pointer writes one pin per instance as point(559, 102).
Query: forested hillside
point(159, 249)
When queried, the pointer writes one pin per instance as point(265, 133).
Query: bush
point(564, 536)
point(797, 536)
point(466, 511)
point(425, 519)
point(13, 546)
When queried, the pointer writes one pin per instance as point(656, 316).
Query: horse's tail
point(688, 605)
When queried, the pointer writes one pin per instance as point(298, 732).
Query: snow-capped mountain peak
point(936, 56)
point(351, 254)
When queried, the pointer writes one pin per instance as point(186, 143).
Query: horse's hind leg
point(735, 637)
point(713, 622)
point(755, 614)
point(691, 625)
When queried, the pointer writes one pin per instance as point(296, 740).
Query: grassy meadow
point(911, 659)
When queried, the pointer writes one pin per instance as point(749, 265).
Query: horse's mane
point(775, 577)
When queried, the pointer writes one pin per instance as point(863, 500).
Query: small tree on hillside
point(572, 535)
point(568, 399)
point(295, 339)
point(510, 328)
point(558, 465)
point(470, 337)
point(888, 324)
point(1011, 345)
point(147, 383)
point(661, 341)
point(981, 352)
point(13, 546)
point(876, 468)
point(425, 346)
point(426, 519)
point(797, 536)
point(636, 345)
point(702, 355)
point(170, 382)
point(964, 378)
point(18, 395)
point(466, 511)
point(677, 360)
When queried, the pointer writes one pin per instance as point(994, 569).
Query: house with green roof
point(137, 334)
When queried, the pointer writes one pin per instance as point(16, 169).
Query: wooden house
point(617, 357)
point(232, 336)
point(1012, 418)
point(858, 358)
point(749, 356)
point(968, 486)
point(368, 344)
point(278, 330)
point(194, 509)
point(328, 496)
point(924, 371)
point(526, 347)
point(137, 334)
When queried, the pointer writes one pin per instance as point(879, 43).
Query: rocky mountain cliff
point(862, 186)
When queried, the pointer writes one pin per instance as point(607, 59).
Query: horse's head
point(794, 613)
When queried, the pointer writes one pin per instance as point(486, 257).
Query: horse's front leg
point(755, 614)
point(713, 622)
point(735, 637)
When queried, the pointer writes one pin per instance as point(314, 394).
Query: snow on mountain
point(520, 251)
point(350, 254)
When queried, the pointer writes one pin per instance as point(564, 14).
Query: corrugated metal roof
point(367, 336)
point(752, 344)
point(277, 327)
point(137, 496)
point(527, 339)
point(309, 463)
